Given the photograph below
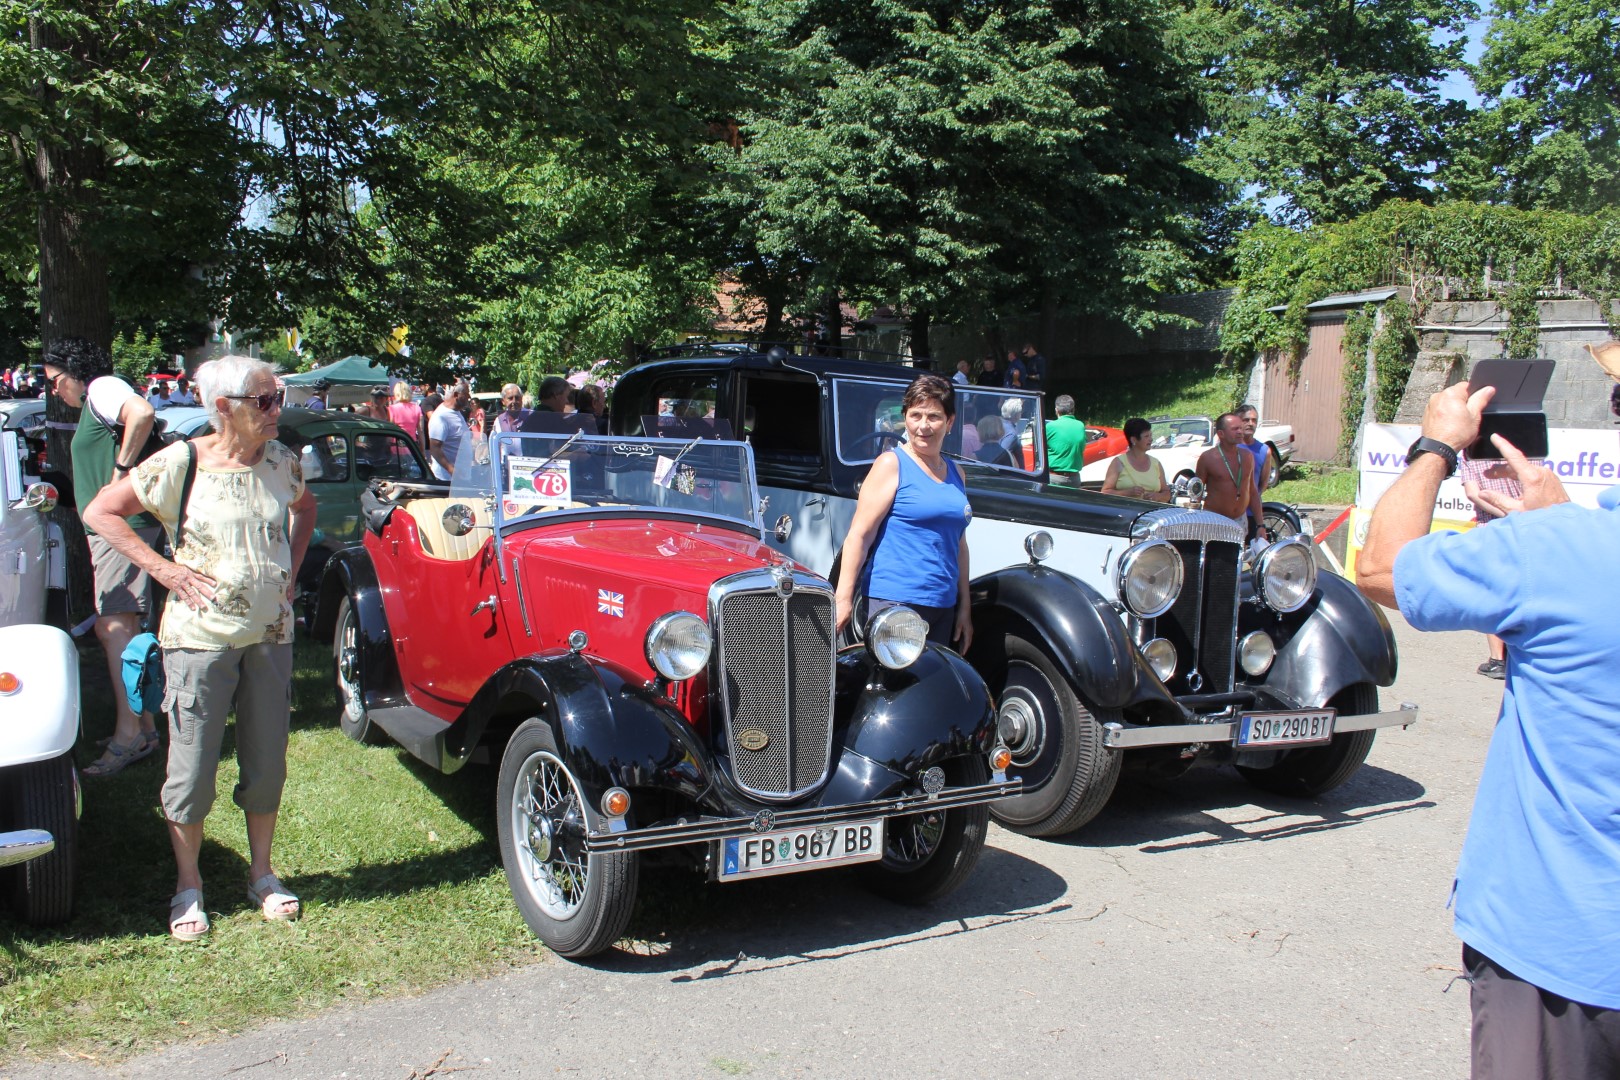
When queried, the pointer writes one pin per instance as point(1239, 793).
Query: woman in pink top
point(407, 413)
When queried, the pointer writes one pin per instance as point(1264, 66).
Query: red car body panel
point(607, 578)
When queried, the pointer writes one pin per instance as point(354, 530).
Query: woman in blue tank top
point(912, 517)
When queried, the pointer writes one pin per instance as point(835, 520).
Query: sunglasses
point(262, 402)
point(52, 380)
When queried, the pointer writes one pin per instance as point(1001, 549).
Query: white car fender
point(40, 719)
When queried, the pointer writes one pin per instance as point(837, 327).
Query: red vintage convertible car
point(604, 617)
point(1103, 443)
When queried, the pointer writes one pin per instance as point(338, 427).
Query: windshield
point(546, 473)
point(1187, 431)
point(995, 427)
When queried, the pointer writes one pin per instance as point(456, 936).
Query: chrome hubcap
point(1018, 722)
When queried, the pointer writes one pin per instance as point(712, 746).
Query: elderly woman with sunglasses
point(228, 627)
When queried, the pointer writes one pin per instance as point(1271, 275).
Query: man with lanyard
point(114, 423)
point(1065, 443)
point(1228, 472)
point(1537, 890)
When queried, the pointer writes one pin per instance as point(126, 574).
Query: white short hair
point(1012, 409)
point(229, 376)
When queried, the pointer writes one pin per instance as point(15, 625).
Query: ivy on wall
point(1358, 332)
point(1394, 350)
point(1454, 251)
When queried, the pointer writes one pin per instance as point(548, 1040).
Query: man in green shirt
point(114, 422)
point(1065, 443)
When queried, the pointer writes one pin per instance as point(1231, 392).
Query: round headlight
point(678, 645)
point(1287, 572)
point(1256, 652)
point(1149, 578)
point(896, 636)
point(1161, 657)
point(1038, 545)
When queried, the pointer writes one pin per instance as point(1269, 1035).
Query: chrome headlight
point(1287, 572)
point(1149, 578)
point(1161, 657)
point(1256, 652)
point(678, 645)
point(896, 636)
point(1038, 545)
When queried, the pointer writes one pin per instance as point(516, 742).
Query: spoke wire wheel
point(1280, 526)
point(916, 837)
point(349, 674)
point(931, 852)
point(548, 833)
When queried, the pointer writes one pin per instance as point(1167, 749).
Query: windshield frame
point(1035, 427)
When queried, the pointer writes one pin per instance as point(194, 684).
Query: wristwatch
point(1426, 445)
point(119, 466)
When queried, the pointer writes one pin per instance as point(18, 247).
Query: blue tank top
point(914, 559)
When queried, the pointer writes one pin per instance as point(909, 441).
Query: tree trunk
point(772, 330)
point(833, 326)
point(73, 288)
point(921, 355)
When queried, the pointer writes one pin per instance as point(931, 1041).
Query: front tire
point(43, 796)
point(929, 854)
point(1317, 769)
point(576, 902)
point(1273, 467)
point(1056, 743)
point(349, 671)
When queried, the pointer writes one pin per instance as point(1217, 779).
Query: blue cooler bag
point(144, 682)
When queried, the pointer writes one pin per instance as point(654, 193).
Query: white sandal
point(186, 907)
point(271, 895)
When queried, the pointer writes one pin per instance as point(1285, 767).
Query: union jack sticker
point(610, 603)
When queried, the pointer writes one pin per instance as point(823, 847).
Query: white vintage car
point(39, 708)
point(1178, 442)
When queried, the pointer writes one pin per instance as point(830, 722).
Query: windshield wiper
point(557, 453)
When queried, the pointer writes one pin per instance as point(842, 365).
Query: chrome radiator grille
point(775, 676)
point(1202, 624)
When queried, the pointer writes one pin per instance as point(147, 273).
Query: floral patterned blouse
point(236, 533)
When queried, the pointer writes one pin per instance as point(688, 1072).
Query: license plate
point(787, 851)
point(1285, 728)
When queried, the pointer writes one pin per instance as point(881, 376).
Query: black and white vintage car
point(1102, 625)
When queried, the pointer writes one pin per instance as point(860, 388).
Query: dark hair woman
point(1133, 473)
point(912, 517)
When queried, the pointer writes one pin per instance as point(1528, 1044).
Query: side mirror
point(784, 528)
point(459, 519)
point(41, 497)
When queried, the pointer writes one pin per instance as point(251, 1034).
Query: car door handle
point(483, 605)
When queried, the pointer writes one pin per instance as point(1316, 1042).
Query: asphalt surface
point(1199, 928)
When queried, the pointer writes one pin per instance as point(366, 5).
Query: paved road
point(1199, 929)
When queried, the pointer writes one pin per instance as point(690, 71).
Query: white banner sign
point(1587, 460)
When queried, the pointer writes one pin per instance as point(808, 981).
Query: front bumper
point(711, 828)
point(1223, 729)
point(25, 844)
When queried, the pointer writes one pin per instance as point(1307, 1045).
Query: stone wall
point(1454, 335)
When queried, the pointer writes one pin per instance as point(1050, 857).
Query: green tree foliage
point(1548, 136)
point(136, 355)
point(1326, 108)
point(961, 159)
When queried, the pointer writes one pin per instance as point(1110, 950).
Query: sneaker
point(1494, 669)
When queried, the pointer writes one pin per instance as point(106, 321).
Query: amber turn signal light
point(1000, 758)
point(9, 683)
point(615, 802)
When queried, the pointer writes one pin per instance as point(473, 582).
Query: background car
point(603, 617)
point(1178, 443)
point(1105, 627)
point(340, 453)
point(1103, 443)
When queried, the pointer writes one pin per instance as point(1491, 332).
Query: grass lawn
point(1176, 393)
point(1314, 484)
point(397, 867)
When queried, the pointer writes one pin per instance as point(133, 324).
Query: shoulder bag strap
point(185, 491)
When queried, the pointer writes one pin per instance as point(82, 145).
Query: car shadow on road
point(1215, 807)
point(695, 931)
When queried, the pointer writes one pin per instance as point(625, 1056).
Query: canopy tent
point(351, 377)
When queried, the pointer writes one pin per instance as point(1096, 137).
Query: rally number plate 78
point(1299, 728)
point(787, 851)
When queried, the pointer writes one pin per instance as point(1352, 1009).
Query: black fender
point(1078, 628)
point(1346, 639)
point(350, 573)
point(609, 729)
point(1286, 512)
point(896, 724)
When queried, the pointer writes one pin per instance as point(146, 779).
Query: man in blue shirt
point(1538, 885)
